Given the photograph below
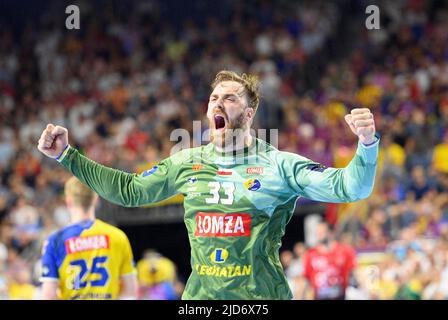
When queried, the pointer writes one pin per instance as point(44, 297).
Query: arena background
point(136, 70)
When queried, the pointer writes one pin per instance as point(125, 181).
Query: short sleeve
point(49, 267)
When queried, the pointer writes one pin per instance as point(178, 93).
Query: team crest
point(252, 184)
point(225, 172)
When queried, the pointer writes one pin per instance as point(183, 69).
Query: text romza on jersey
point(239, 192)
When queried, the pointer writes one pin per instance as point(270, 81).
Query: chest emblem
point(252, 184)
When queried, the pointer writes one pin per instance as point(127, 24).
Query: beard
point(232, 136)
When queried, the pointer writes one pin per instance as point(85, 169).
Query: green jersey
point(236, 207)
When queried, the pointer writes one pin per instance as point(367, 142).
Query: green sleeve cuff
point(64, 158)
point(368, 153)
point(377, 136)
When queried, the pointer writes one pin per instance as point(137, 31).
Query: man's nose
point(219, 104)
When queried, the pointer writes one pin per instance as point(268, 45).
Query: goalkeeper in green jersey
point(240, 192)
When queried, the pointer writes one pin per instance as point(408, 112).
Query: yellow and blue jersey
point(88, 259)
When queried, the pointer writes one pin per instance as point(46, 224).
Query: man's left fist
point(362, 124)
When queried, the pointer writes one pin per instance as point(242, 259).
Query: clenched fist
point(362, 124)
point(53, 141)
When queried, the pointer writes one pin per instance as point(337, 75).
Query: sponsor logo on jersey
point(192, 180)
point(252, 184)
point(150, 171)
point(225, 172)
point(222, 225)
point(219, 255)
point(316, 167)
point(81, 244)
point(254, 170)
point(197, 167)
point(192, 194)
point(223, 271)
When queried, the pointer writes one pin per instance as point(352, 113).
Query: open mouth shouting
point(220, 122)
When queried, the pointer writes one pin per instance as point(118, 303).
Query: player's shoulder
point(311, 251)
point(344, 247)
point(274, 153)
point(58, 238)
point(110, 230)
point(286, 156)
point(189, 155)
point(285, 159)
point(72, 230)
point(309, 255)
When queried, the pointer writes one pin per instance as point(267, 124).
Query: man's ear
point(250, 113)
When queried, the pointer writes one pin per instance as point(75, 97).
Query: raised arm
point(354, 182)
point(126, 189)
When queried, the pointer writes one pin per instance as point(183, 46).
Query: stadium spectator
point(157, 277)
point(328, 266)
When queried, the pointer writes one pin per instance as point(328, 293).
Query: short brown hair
point(250, 82)
point(81, 195)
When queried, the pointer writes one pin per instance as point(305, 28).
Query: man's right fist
point(53, 141)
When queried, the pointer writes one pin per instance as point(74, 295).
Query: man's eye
point(231, 99)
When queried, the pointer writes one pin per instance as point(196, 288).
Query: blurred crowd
point(129, 76)
point(400, 233)
point(412, 267)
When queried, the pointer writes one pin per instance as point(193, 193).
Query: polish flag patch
point(225, 172)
